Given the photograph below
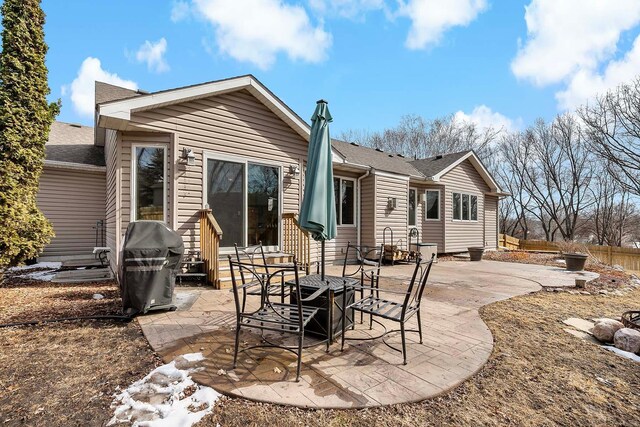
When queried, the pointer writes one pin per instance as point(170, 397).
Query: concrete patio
point(457, 343)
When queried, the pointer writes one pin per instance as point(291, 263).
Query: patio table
point(328, 322)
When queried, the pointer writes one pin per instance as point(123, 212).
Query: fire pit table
point(328, 322)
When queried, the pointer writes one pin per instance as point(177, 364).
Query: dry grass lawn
point(64, 374)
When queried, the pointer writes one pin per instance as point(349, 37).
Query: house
point(235, 148)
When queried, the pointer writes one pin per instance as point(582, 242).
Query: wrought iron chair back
point(290, 318)
point(417, 285)
point(365, 257)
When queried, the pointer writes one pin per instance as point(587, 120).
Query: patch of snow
point(97, 296)
point(45, 276)
point(166, 397)
point(49, 265)
point(623, 353)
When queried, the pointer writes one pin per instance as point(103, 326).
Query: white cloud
point(153, 55)
point(586, 83)
point(346, 8)
point(571, 36)
point(82, 88)
point(179, 11)
point(483, 117)
point(431, 18)
point(257, 30)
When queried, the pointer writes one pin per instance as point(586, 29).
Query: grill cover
point(150, 259)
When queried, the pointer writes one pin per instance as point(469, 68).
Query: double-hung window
point(345, 200)
point(149, 176)
point(465, 207)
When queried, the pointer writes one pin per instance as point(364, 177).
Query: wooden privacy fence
point(628, 258)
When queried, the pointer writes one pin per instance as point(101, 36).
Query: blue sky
point(501, 63)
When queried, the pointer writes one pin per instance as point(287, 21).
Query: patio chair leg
point(419, 327)
point(404, 345)
point(235, 351)
point(244, 298)
point(344, 319)
point(300, 339)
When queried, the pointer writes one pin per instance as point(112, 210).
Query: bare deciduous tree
point(613, 124)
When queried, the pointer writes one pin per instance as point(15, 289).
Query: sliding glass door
point(244, 197)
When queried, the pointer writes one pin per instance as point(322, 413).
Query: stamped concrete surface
point(368, 373)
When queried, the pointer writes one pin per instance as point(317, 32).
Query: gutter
point(74, 166)
point(359, 199)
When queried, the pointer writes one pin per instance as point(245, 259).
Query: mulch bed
point(65, 374)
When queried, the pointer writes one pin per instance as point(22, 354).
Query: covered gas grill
point(150, 259)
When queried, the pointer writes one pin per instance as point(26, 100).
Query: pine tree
point(25, 120)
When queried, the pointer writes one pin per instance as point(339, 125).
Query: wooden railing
point(295, 240)
point(628, 258)
point(210, 235)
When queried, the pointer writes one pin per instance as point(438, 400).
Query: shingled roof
point(434, 165)
point(106, 92)
point(374, 158)
point(73, 143)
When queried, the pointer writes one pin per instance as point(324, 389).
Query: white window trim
point(415, 206)
point(439, 204)
point(134, 180)
point(245, 160)
point(339, 213)
point(477, 207)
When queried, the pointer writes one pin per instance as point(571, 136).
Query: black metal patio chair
point(366, 267)
point(272, 316)
point(391, 310)
point(256, 257)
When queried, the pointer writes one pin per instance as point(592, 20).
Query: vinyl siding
point(431, 231)
point(459, 235)
point(73, 200)
point(112, 214)
point(396, 219)
point(232, 125)
point(491, 222)
point(368, 211)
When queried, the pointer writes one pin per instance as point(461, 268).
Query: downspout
point(359, 216)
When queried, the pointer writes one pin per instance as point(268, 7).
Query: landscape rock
point(605, 329)
point(627, 339)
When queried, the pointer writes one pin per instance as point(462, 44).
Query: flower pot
point(475, 254)
point(575, 262)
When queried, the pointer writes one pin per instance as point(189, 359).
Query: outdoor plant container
point(475, 254)
point(575, 261)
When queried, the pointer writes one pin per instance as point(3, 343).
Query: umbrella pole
point(322, 261)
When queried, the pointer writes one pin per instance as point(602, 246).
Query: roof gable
point(438, 166)
point(116, 114)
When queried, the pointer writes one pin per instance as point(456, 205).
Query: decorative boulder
point(627, 339)
point(605, 329)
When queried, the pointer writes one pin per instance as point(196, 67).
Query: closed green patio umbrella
point(317, 213)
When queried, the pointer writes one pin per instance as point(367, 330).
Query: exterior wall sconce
point(294, 170)
point(391, 203)
point(187, 154)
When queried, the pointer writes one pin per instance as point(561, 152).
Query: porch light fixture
point(294, 170)
point(391, 203)
point(187, 154)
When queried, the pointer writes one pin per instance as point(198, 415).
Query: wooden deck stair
point(272, 258)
